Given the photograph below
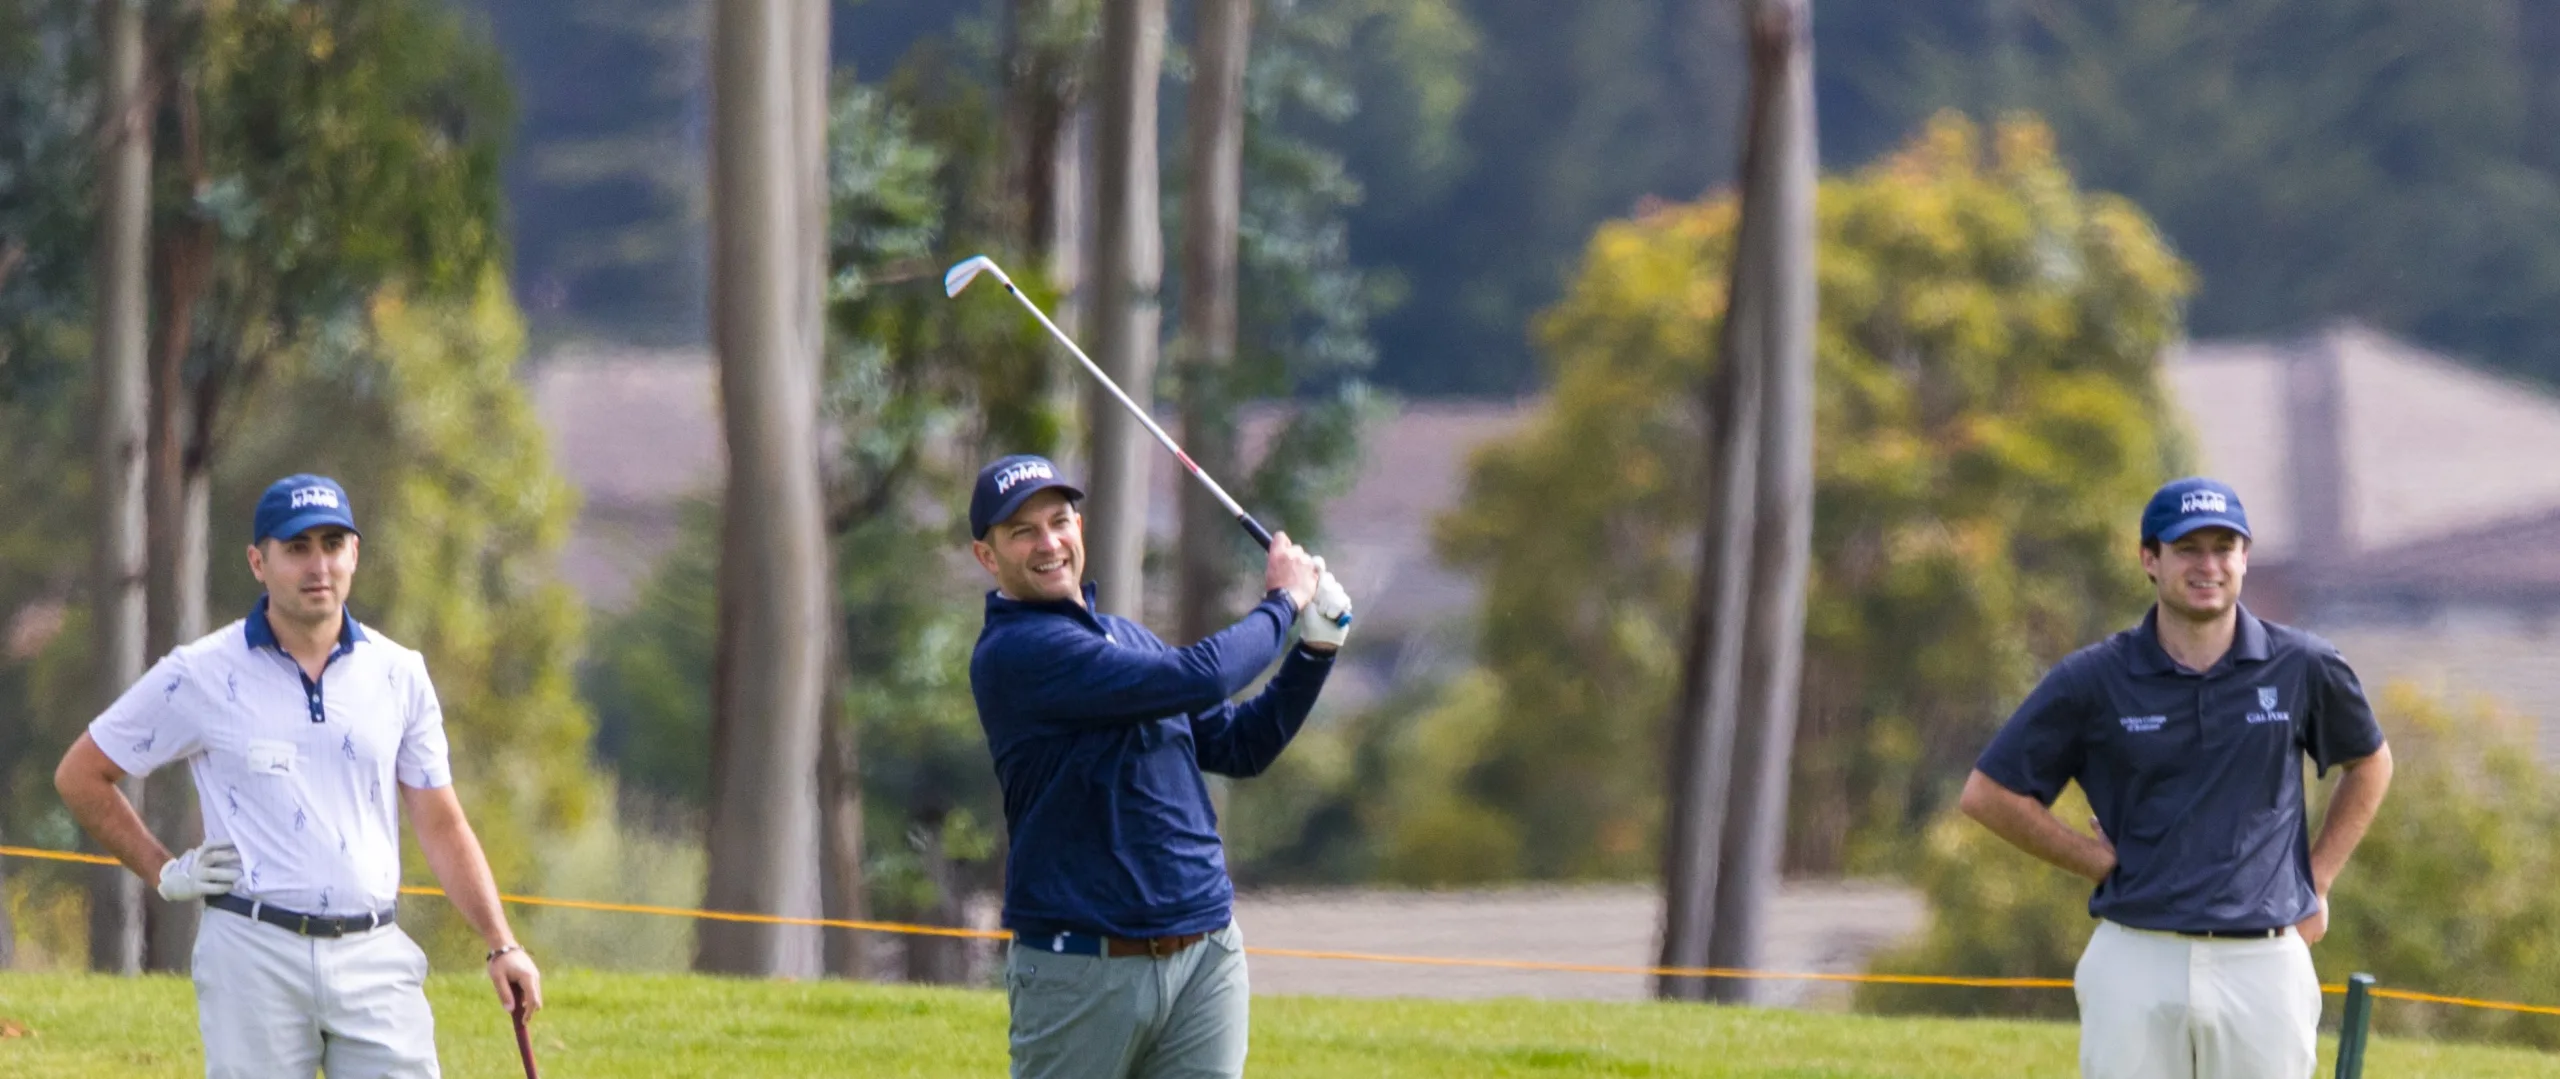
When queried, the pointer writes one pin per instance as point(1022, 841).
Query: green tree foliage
point(332, 149)
point(2386, 160)
point(1988, 415)
point(2449, 892)
point(1564, 116)
point(610, 189)
point(1304, 304)
point(464, 517)
point(916, 385)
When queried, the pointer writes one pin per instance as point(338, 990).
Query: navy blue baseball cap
point(1008, 482)
point(299, 503)
point(2182, 506)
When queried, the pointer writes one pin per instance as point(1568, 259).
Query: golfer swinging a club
point(1125, 962)
point(2188, 733)
point(300, 727)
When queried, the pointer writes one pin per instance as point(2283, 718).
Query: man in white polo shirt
point(298, 726)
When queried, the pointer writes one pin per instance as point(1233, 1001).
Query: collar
point(2248, 645)
point(262, 635)
point(1000, 604)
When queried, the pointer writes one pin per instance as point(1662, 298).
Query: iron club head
point(959, 276)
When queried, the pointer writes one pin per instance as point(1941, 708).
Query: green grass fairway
point(601, 1026)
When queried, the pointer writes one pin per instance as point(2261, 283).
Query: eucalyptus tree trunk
point(1735, 733)
point(179, 496)
point(118, 609)
point(1782, 171)
point(1049, 133)
point(770, 676)
point(1128, 265)
point(1212, 205)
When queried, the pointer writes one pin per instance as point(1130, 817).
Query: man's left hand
point(1327, 621)
point(2316, 926)
point(518, 981)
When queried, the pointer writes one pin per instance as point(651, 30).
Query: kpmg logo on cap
point(1008, 479)
point(2203, 502)
point(315, 496)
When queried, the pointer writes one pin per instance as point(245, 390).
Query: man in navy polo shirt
point(1125, 961)
point(2187, 733)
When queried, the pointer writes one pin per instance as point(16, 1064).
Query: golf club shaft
point(524, 1046)
point(1252, 527)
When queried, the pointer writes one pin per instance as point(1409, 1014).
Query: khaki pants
point(2163, 1006)
point(275, 1003)
point(1184, 1016)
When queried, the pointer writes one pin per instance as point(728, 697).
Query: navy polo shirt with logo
point(1100, 732)
point(2196, 777)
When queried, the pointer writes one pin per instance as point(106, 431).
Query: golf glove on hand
point(207, 870)
point(1328, 616)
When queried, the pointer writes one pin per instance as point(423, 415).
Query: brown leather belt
point(1153, 947)
point(1108, 947)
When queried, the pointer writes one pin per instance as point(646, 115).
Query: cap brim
point(297, 525)
point(1012, 502)
point(2184, 528)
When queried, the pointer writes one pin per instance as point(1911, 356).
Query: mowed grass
point(603, 1026)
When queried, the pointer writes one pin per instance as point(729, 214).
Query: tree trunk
point(1725, 701)
point(938, 960)
point(118, 607)
point(1048, 129)
point(840, 827)
point(770, 675)
point(1128, 264)
point(1703, 712)
point(179, 495)
point(1781, 175)
point(1069, 246)
point(8, 926)
point(1212, 203)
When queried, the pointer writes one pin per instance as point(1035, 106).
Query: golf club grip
point(1254, 529)
point(524, 1047)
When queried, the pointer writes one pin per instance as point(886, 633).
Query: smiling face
point(2198, 575)
point(307, 576)
point(1037, 554)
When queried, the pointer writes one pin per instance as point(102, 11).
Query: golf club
point(959, 276)
point(524, 1044)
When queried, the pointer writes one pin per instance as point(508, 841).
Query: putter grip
point(1254, 529)
point(524, 1046)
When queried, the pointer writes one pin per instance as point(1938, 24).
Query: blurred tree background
point(2392, 160)
point(1441, 197)
point(1987, 404)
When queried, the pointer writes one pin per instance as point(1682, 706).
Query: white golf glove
point(207, 870)
point(1328, 617)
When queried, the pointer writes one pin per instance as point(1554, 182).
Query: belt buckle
point(305, 927)
point(1159, 947)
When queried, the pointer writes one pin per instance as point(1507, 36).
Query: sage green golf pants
point(1184, 1016)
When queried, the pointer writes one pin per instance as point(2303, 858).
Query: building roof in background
point(2447, 474)
point(2430, 447)
point(636, 432)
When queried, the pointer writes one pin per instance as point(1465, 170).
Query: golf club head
point(959, 276)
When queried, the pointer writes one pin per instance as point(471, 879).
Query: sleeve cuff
point(425, 779)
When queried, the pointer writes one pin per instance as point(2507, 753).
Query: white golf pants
point(275, 1003)
point(2164, 1006)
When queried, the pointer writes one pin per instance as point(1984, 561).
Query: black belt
point(2233, 934)
point(309, 925)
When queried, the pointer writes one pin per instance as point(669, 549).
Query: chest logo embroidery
point(2143, 724)
point(2267, 711)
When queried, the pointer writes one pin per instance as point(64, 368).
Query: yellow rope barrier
point(1356, 957)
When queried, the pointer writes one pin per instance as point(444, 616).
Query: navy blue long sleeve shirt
point(1100, 733)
